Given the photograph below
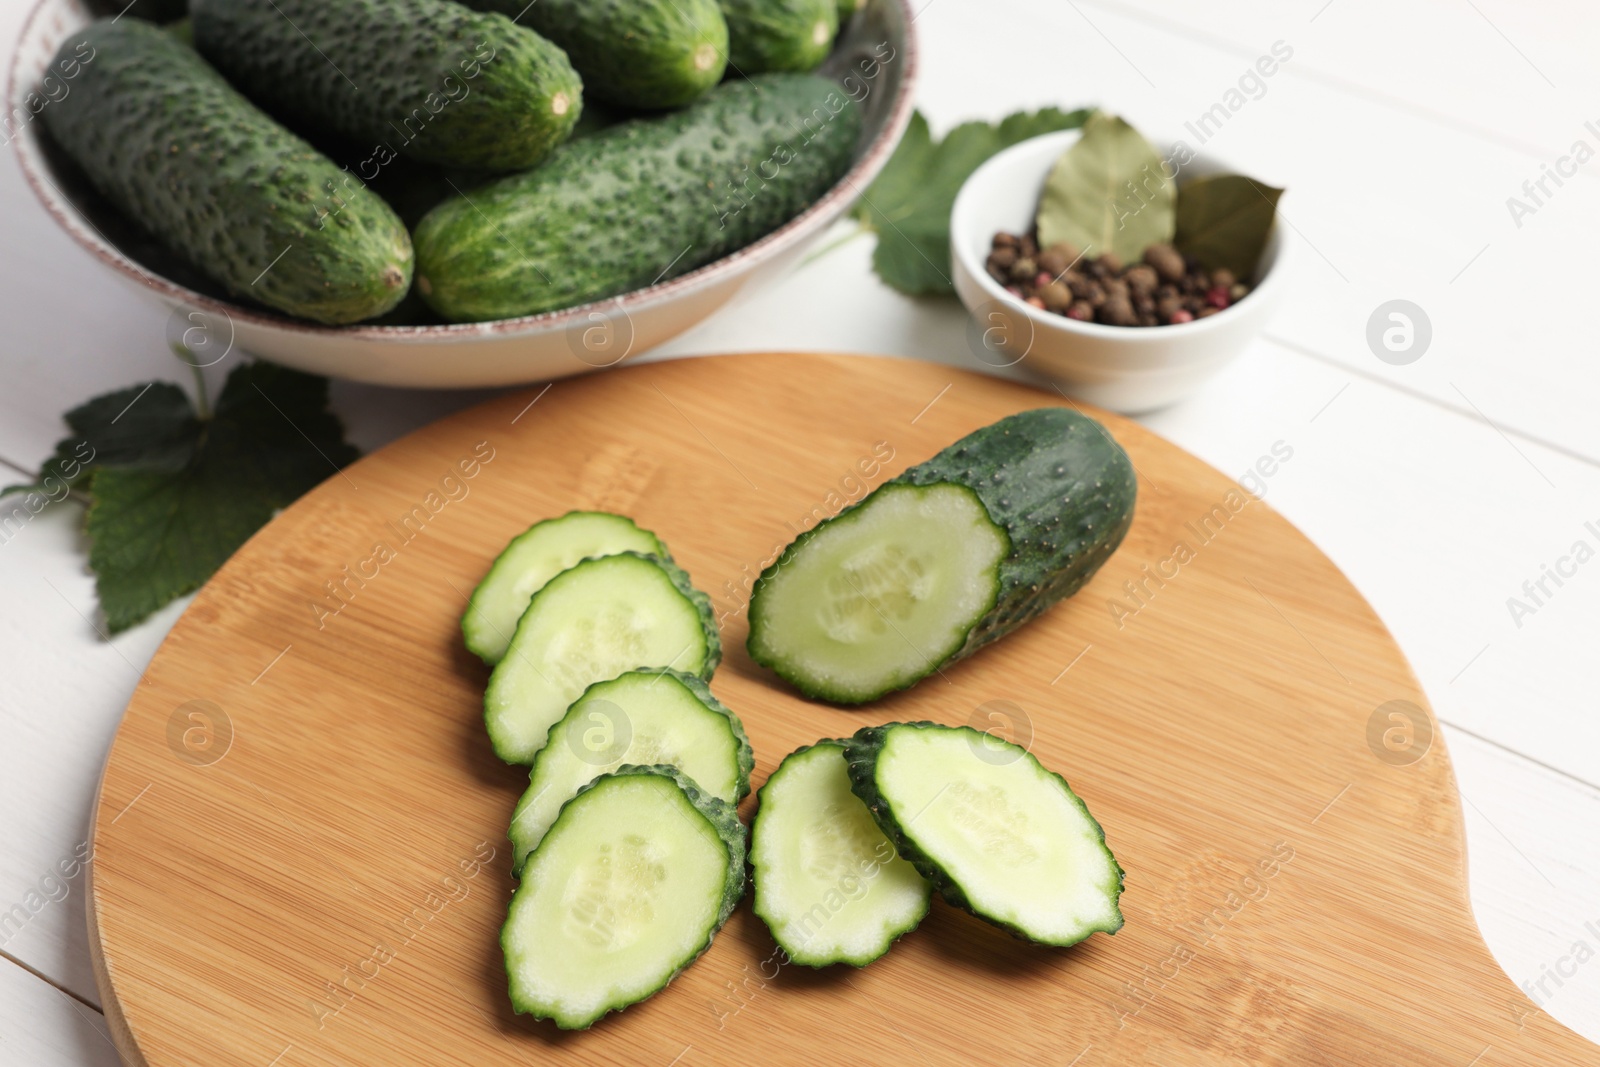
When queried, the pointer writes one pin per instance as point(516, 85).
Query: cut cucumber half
point(589, 623)
point(993, 830)
point(951, 555)
point(532, 559)
point(628, 888)
point(828, 883)
point(656, 716)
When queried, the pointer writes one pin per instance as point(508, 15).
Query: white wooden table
point(1439, 486)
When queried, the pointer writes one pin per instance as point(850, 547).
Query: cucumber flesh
point(992, 829)
point(628, 888)
point(828, 883)
point(881, 595)
point(642, 717)
point(589, 623)
point(533, 558)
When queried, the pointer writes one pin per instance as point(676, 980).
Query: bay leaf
point(1109, 192)
point(1224, 221)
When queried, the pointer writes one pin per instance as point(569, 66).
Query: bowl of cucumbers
point(437, 194)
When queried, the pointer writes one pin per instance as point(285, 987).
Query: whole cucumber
point(179, 151)
point(638, 202)
point(779, 35)
point(429, 79)
point(649, 54)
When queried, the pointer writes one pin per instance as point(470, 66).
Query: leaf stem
point(202, 403)
point(842, 239)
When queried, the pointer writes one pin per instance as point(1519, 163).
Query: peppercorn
point(1222, 278)
point(1166, 262)
point(1117, 311)
point(1024, 270)
point(1056, 296)
point(1004, 240)
point(1141, 278)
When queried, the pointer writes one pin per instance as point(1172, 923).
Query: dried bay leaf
point(1109, 192)
point(1224, 222)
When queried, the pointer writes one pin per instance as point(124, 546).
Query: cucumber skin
point(702, 692)
point(765, 36)
point(755, 825)
point(680, 581)
point(746, 755)
point(1062, 527)
point(366, 69)
point(722, 816)
point(861, 756)
point(175, 148)
point(631, 53)
point(702, 603)
point(638, 202)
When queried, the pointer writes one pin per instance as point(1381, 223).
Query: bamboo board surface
point(299, 851)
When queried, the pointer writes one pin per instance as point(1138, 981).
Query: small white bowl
point(1130, 369)
point(877, 49)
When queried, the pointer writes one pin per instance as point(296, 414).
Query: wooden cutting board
point(299, 851)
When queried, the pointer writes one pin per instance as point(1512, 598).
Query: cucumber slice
point(954, 553)
point(533, 558)
point(994, 831)
point(828, 884)
point(628, 888)
point(656, 716)
point(589, 623)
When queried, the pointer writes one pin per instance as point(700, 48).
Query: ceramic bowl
point(1124, 368)
point(879, 40)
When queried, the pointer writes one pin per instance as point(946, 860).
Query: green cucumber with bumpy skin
point(649, 54)
point(828, 883)
point(995, 832)
point(592, 622)
point(953, 554)
point(639, 202)
point(535, 556)
point(628, 888)
point(430, 79)
point(655, 716)
point(175, 148)
point(779, 35)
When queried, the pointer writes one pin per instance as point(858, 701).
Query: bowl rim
point(847, 189)
point(1261, 297)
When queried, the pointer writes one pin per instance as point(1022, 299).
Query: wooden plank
point(1224, 733)
point(1480, 67)
point(43, 1027)
point(1535, 901)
